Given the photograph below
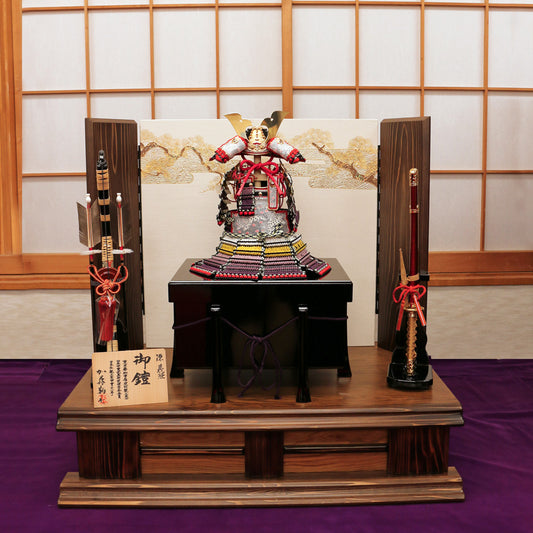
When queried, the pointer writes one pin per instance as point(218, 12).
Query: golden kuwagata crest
point(272, 123)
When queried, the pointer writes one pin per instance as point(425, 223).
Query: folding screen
point(337, 207)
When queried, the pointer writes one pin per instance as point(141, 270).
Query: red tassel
point(107, 306)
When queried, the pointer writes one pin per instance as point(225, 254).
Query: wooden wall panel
point(405, 143)
point(118, 139)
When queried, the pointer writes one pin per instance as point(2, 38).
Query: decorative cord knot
point(250, 346)
point(270, 168)
point(405, 294)
point(252, 342)
point(108, 279)
point(108, 286)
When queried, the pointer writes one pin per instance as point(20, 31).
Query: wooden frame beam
point(10, 127)
point(481, 268)
point(286, 56)
point(60, 271)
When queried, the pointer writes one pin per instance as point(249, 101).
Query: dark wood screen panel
point(118, 139)
point(405, 144)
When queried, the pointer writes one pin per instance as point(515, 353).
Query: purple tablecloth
point(493, 452)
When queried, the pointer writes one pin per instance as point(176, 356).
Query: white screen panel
point(273, 2)
point(529, 2)
point(323, 46)
point(53, 133)
point(509, 216)
point(389, 45)
point(250, 47)
point(457, 61)
point(51, 3)
point(456, 129)
point(510, 128)
point(389, 104)
point(119, 49)
point(49, 214)
point(324, 104)
point(163, 2)
point(117, 2)
point(455, 212)
point(391, 1)
point(458, 2)
point(132, 106)
point(53, 58)
point(184, 48)
point(258, 104)
point(510, 48)
point(186, 105)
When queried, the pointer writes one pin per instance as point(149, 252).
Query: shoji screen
point(466, 64)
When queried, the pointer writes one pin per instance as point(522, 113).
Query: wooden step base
point(236, 491)
point(357, 442)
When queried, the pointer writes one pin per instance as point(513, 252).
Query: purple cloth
point(493, 452)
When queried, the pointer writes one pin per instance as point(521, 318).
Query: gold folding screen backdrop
point(312, 58)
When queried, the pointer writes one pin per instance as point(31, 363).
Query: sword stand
point(421, 378)
point(410, 368)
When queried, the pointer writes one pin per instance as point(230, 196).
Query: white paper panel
point(457, 61)
point(250, 47)
point(51, 3)
point(56, 61)
point(456, 129)
point(510, 130)
point(134, 106)
point(186, 105)
point(206, 2)
point(459, 2)
point(117, 2)
point(53, 133)
point(323, 42)
point(455, 212)
point(389, 104)
point(324, 104)
point(273, 2)
point(250, 104)
point(389, 46)
point(326, 1)
point(510, 48)
point(184, 48)
point(529, 2)
point(119, 49)
point(509, 216)
point(49, 214)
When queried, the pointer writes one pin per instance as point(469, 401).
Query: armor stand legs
point(303, 395)
point(217, 393)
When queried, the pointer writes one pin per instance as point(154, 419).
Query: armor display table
point(358, 441)
point(252, 325)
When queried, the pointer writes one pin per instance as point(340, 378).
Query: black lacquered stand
point(259, 325)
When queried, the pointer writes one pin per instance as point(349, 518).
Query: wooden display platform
point(356, 442)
